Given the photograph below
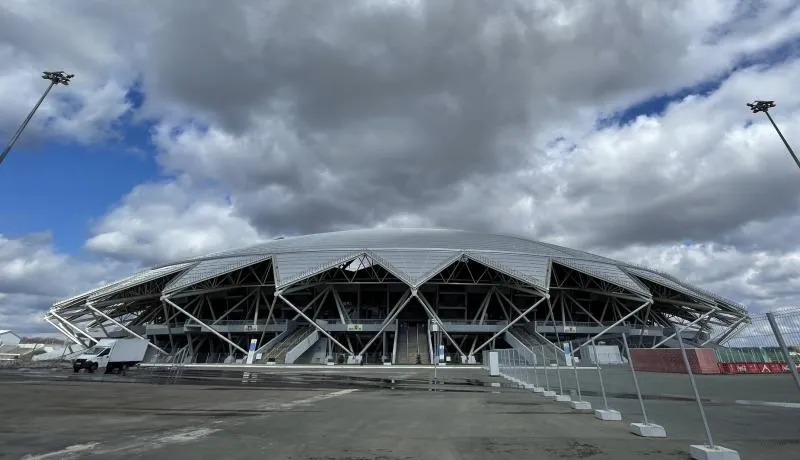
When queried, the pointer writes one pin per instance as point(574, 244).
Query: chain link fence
point(756, 348)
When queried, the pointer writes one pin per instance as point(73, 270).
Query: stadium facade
point(392, 295)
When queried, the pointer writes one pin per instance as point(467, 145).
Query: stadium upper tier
point(414, 256)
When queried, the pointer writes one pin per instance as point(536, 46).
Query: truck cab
point(92, 359)
point(111, 355)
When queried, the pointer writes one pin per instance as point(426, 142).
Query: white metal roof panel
point(527, 268)
point(208, 269)
point(142, 277)
point(418, 266)
point(667, 283)
point(403, 238)
point(607, 272)
point(305, 254)
point(291, 267)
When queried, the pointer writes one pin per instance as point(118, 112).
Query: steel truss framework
point(253, 299)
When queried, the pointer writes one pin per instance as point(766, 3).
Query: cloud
point(287, 117)
point(33, 274)
point(170, 221)
point(74, 37)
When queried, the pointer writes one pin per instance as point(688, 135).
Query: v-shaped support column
point(680, 329)
point(617, 323)
point(64, 331)
point(393, 313)
point(90, 306)
point(209, 328)
point(511, 323)
point(279, 295)
point(74, 327)
point(728, 332)
point(432, 315)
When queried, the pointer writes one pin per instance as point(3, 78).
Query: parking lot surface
point(369, 413)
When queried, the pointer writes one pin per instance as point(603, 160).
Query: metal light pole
point(764, 106)
point(55, 78)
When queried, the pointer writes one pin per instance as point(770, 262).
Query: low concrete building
point(9, 338)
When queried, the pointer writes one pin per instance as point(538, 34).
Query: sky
point(617, 127)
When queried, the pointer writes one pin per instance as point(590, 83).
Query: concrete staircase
point(412, 340)
point(534, 342)
point(277, 353)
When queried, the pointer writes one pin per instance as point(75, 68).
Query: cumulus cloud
point(163, 222)
point(33, 275)
point(288, 117)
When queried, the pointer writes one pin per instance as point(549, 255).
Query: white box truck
point(111, 355)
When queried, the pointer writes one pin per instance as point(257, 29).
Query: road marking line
point(67, 452)
point(788, 405)
point(312, 399)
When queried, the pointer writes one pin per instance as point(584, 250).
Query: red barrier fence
point(702, 360)
point(754, 368)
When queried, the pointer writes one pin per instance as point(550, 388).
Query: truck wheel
point(109, 369)
point(92, 368)
point(76, 369)
point(124, 369)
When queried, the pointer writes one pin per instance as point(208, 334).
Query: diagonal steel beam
point(65, 332)
point(270, 313)
point(149, 343)
point(76, 328)
point(323, 294)
point(682, 328)
point(320, 304)
point(393, 313)
point(432, 315)
point(577, 304)
point(228, 312)
point(487, 299)
point(340, 307)
point(511, 304)
point(511, 323)
point(279, 295)
point(258, 305)
point(478, 314)
point(210, 329)
point(618, 322)
point(725, 335)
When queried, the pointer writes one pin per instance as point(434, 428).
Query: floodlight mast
point(56, 78)
point(764, 106)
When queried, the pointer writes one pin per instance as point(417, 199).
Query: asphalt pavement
point(374, 413)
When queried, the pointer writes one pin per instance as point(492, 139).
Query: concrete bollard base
point(581, 405)
point(538, 390)
point(701, 452)
point(608, 415)
point(548, 393)
point(563, 398)
point(648, 430)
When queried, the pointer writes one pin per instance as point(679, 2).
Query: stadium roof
point(414, 256)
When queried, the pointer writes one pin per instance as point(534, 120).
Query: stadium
point(392, 296)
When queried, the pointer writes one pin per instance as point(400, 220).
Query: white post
point(646, 429)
